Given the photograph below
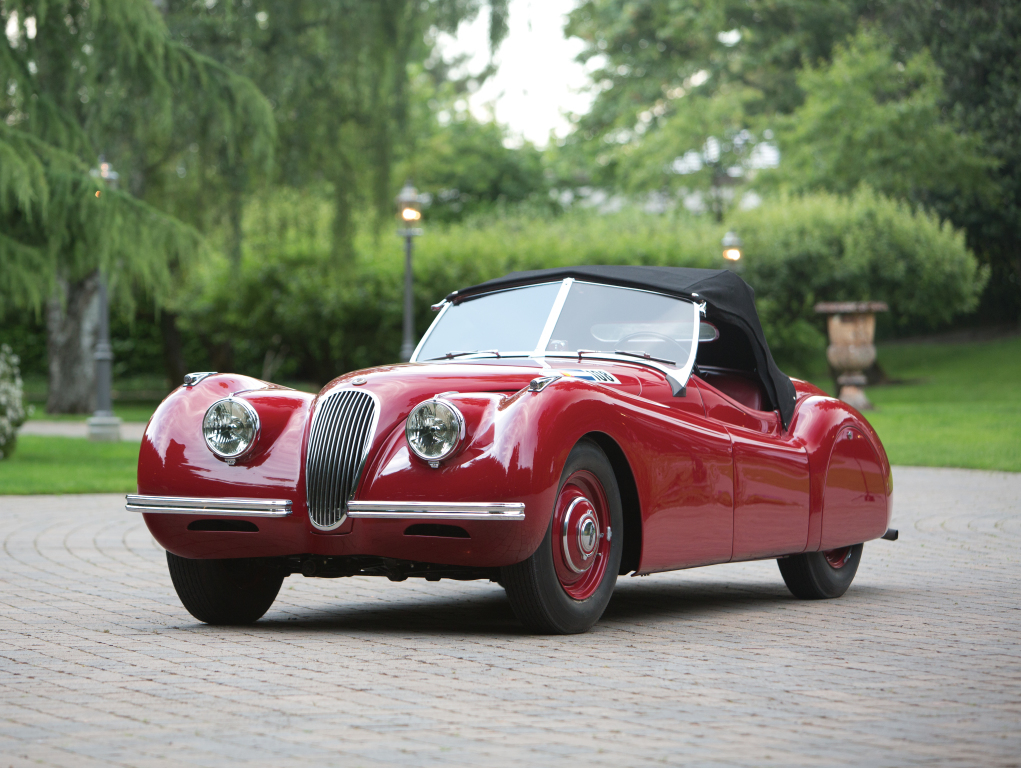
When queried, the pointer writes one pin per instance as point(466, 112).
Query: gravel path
point(919, 664)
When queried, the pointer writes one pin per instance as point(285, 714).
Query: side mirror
point(707, 332)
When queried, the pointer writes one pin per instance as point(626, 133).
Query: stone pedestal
point(104, 429)
point(852, 330)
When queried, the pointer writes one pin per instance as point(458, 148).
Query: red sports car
point(554, 429)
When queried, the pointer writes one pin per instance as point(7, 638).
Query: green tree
point(82, 78)
point(467, 169)
point(654, 53)
point(868, 118)
point(338, 75)
point(978, 47)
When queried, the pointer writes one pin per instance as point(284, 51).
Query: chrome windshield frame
point(677, 376)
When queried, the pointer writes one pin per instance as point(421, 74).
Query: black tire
point(811, 576)
point(535, 591)
point(236, 591)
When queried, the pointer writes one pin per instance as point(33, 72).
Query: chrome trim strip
point(436, 320)
point(187, 505)
point(439, 510)
point(554, 316)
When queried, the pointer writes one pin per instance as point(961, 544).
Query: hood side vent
point(338, 445)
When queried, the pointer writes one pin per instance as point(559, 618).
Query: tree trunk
point(72, 323)
point(173, 349)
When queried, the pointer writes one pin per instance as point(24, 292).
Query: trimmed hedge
point(290, 301)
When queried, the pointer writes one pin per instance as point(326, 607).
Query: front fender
point(515, 450)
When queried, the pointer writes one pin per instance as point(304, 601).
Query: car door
point(771, 479)
point(688, 513)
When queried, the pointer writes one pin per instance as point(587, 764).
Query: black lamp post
point(103, 425)
point(409, 211)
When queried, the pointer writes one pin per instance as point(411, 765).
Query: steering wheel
point(682, 352)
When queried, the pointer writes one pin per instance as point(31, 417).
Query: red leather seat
point(738, 387)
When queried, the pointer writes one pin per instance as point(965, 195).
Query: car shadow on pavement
point(489, 612)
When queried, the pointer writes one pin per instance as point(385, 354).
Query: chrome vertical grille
point(342, 429)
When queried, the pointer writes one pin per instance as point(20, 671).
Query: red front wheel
point(564, 587)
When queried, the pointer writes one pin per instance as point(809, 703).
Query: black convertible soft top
point(730, 305)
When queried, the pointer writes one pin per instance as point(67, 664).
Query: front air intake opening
point(235, 526)
point(437, 529)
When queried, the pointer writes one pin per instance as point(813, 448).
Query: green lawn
point(961, 407)
point(69, 465)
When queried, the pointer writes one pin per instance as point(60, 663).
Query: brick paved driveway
point(920, 663)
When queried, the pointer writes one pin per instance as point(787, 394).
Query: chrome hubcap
point(580, 534)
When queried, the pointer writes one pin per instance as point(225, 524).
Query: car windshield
point(508, 322)
point(566, 319)
point(604, 318)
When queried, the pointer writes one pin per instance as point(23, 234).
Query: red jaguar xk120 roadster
point(554, 430)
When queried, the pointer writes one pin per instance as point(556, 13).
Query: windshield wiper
point(644, 356)
point(452, 355)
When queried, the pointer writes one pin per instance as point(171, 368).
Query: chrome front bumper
point(185, 505)
point(439, 510)
point(377, 510)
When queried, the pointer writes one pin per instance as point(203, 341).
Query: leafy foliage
point(976, 44)
point(467, 169)
point(293, 312)
point(79, 76)
point(822, 247)
point(869, 118)
point(337, 74)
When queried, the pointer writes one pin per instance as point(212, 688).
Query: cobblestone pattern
point(919, 664)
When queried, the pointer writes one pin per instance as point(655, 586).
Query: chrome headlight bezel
point(254, 425)
point(456, 445)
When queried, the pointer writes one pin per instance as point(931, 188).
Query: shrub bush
point(12, 409)
point(290, 299)
point(291, 310)
point(822, 247)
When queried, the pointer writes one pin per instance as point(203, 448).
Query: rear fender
point(852, 483)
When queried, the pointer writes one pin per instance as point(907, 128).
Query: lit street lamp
point(731, 246)
point(103, 425)
point(409, 211)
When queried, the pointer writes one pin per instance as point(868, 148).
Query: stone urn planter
point(852, 330)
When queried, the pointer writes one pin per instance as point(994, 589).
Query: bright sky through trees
point(538, 79)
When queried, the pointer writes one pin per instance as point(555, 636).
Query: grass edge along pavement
point(960, 407)
point(959, 404)
point(58, 465)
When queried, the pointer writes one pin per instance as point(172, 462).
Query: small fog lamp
point(434, 430)
point(230, 428)
point(731, 246)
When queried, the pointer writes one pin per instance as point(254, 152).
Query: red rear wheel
point(820, 575)
point(837, 558)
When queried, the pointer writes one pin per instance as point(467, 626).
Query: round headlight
point(434, 430)
point(230, 427)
